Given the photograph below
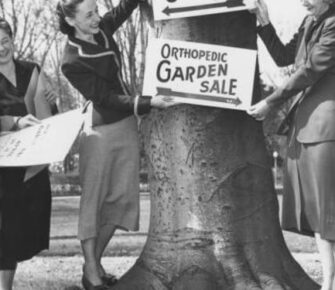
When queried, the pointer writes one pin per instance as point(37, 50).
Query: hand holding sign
point(162, 102)
point(46, 142)
point(27, 121)
point(260, 110)
point(259, 8)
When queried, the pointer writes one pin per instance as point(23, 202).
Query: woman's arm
point(44, 98)
point(283, 55)
point(13, 123)
point(115, 17)
point(97, 90)
point(8, 122)
point(93, 88)
point(320, 59)
point(39, 98)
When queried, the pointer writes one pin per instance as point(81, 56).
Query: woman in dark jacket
point(24, 204)
point(109, 149)
point(309, 199)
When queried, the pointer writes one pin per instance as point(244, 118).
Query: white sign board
point(166, 9)
point(44, 143)
point(201, 74)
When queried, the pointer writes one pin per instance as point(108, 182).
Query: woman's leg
point(104, 236)
point(327, 260)
point(7, 272)
point(333, 247)
point(6, 279)
point(90, 172)
point(91, 267)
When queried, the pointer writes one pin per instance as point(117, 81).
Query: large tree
point(214, 211)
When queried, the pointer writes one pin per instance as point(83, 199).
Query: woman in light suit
point(309, 184)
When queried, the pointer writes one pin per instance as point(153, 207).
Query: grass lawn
point(60, 267)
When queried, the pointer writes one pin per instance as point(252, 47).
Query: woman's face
point(6, 47)
point(86, 20)
point(315, 7)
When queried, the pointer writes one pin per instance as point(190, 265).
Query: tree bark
point(214, 211)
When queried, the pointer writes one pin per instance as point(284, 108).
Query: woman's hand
point(50, 95)
point(259, 8)
point(260, 110)
point(162, 102)
point(45, 90)
point(26, 121)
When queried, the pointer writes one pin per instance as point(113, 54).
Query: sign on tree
point(166, 9)
point(200, 74)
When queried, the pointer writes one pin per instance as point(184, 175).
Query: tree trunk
point(214, 212)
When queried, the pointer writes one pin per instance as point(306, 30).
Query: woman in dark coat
point(309, 186)
point(24, 205)
point(109, 148)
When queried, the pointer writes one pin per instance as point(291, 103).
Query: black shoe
point(89, 286)
point(109, 280)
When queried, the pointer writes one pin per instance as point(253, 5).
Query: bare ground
point(60, 267)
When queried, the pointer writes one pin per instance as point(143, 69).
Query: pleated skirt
point(309, 189)
point(109, 176)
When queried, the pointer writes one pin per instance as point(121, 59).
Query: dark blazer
point(312, 50)
point(95, 70)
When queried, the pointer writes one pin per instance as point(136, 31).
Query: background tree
point(214, 212)
point(33, 35)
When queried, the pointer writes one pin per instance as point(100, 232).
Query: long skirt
point(109, 175)
point(309, 189)
point(25, 209)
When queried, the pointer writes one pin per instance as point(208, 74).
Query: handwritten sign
point(44, 143)
point(201, 74)
point(166, 9)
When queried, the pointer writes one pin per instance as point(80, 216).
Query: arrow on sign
point(228, 4)
point(169, 92)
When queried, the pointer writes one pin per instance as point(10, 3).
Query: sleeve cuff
point(142, 105)
point(261, 28)
point(9, 123)
point(276, 98)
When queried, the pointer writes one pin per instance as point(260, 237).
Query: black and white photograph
point(167, 144)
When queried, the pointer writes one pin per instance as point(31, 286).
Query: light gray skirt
point(109, 176)
point(309, 189)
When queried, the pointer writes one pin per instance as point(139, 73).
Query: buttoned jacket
point(95, 69)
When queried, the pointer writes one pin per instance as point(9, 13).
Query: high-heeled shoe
point(89, 286)
point(109, 280)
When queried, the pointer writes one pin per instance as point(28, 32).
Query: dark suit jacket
point(312, 50)
point(95, 70)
